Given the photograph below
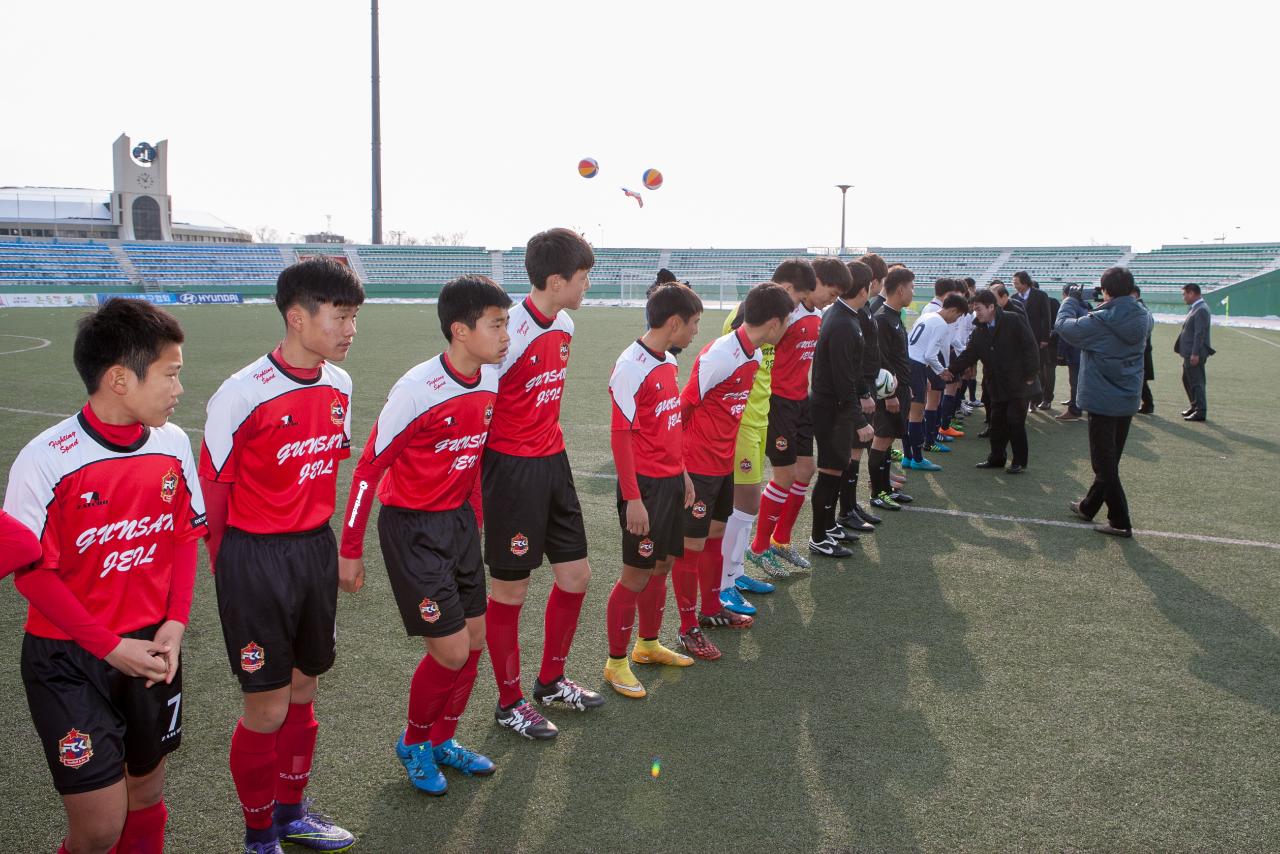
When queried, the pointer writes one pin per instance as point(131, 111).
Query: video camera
point(1077, 291)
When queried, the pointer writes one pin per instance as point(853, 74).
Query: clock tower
point(140, 203)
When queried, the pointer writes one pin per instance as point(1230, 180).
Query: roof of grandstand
point(47, 204)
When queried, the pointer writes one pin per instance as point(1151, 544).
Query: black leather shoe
point(1075, 508)
point(1046, 405)
point(985, 434)
point(1016, 469)
point(987, 464)
point(1188, 411)
point(866, 515)
point(1127, 533)
point(853, 522)
point(1195, 416)
point(902, 497)
point(1146, 410)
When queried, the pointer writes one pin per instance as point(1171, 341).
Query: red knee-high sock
point(710, 567)
point(295, 746)
point(563, 609)
point(447, 724)
point(253, 769)
point(428, 692)
point(772, 503)
point(143, 831)
point(790, 511)
point(651, 604)
point(620, 614)
point(684, 578)
point(502, 633)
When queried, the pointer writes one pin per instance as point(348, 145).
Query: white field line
point(1255, 337)
point(68, 415)
point(44, 342)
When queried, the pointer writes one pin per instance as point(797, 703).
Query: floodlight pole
point(377, 131)
point(844, 190)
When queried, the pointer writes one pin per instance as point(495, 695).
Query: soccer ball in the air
point(886, 384)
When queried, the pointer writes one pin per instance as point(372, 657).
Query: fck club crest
point(337, 413)
point(252, 657)
point(745, 465)
point(699, 509)
point(75, 748)
point(429, 610)
point(646, 547)
point(564, 351)
point(488, 414)
point(519, 545)
point(780, 443)
point(168, 486)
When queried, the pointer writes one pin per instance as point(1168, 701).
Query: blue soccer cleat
point(305, 826)
point(927, 465)
point(939, 448)
point(906, 463)
point(419, 762)
point(747, 584)
point(731, 600)
point(453, 755)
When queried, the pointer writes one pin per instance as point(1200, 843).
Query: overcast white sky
point(958, 123)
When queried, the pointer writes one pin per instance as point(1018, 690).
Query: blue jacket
point(1111, 340)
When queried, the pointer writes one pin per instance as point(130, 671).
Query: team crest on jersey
point(75, 748)
point(488, 414)
point(337, 413)
point(287, 421)
point(780, 443)
point(252, 657)
point(519, 545)
point(429, 610)
point(168, 486)
point(745, 465)
point(646, 547)
point(699, 509)
point(564, 351)
point(90, 499)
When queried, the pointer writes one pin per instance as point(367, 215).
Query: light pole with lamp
point(844, 190)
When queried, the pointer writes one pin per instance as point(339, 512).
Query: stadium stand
point(1059, 265)
point(58, 265)
point(419, 271)
point(1168, 268)
point(201, 266)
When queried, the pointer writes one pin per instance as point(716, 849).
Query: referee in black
point(837, 387)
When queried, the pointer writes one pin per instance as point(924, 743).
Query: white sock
point(737, 534)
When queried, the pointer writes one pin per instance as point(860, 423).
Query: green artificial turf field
point(960, 683)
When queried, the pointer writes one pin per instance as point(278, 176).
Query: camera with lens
point(1078, 291)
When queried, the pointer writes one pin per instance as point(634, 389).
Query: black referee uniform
point(836, 385)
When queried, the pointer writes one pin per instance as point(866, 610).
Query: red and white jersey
point(714, 400)
point(430, 435)
point(278, 438)
point(108, 518)
point(646, 401)
point(793, 356)
point(526, 420)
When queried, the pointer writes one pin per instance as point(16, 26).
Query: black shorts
point(892, 425)
point(92, 720)
point(433, 559)
point(663, 499)
point(712, 501)
point(530, 510)
point(790, 431)
point(834, 433)
point(922, 380)
point(278, 602)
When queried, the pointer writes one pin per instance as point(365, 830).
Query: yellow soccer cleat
point(652, 652)
point(619, 676)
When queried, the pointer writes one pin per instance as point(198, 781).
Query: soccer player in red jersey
point(652, 485)
point(111, 493)
point(427, 442)
point(531, 507)
point(275, 433)
point(711, 408)
point(789, 441)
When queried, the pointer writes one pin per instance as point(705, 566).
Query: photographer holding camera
point(1110, 340)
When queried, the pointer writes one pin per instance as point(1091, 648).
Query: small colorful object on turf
point(588, 167)
point(656, 769)
point(652, 179)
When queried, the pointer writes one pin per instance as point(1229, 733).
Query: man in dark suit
point(1040, 318)
point(1193, 346)
point(1049, 355)
point(1010, 363)
point(1148, 367)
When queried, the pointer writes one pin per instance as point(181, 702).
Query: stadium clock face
point(146, 180)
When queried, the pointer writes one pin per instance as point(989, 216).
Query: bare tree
point(452, 238)
point(266, 234)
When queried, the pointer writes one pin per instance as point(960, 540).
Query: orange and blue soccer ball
point(652, 179)
point(588, 167)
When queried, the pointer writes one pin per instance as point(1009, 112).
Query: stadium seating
point(1212, 265)
point(195, 265)
point(53, 264)
point(419, 271)
point(1059, 265)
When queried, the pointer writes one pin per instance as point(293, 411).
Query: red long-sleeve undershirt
point(19, 548)
point(624, 460)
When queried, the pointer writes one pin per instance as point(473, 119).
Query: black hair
point(1137, 291)
point(860, 276)
point(879, 269)
point(671, 300)
point(986, 297)
point(998, 288)
point(956, 301)
point(943, 286)
point(798, 273)
point(833, 272)
point(315, 282)
point(665, 276)
point(969, 282)
point(557, 251)
point(1024, 277)
point(897, 277)
point(126, 332)
point(768, 301)
point(465, 299)
point(1117, 281)
point(1190, 286)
